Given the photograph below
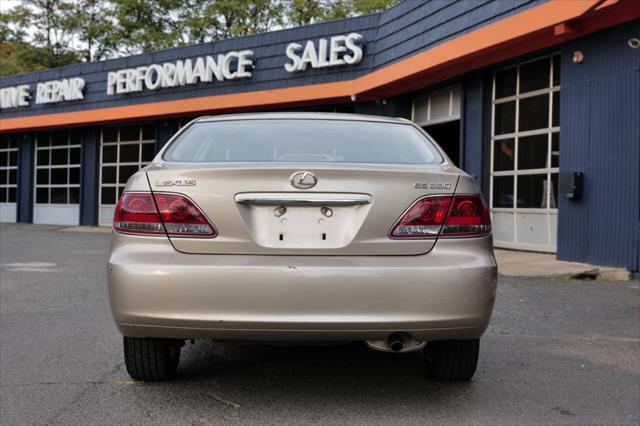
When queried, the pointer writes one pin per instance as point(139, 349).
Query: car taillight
point(139, 213)
point(447, 216)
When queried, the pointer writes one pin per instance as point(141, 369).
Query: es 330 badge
point(430, 185)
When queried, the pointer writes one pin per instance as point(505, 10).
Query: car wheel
point(151, 359)
point(452, 360)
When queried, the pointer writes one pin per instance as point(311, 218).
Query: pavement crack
point(23, 385)
point(83, 392)
point(223, 401)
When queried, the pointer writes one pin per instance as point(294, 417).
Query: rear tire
point(151, 359)
point(452, 360)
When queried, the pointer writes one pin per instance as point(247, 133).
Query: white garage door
point(525, 146)
point(8, 177)
point(123, 151)
point(57, 177)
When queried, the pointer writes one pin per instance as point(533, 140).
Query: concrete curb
point(545, 265)
point(88, 229)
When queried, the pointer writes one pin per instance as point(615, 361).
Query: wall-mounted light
point(578, 57)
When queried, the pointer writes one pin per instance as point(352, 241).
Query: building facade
point(539, 100)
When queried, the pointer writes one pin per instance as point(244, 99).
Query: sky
point(8, 4)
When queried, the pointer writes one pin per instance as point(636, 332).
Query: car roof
point(302, 115)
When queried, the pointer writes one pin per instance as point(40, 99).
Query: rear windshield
point(302, 140)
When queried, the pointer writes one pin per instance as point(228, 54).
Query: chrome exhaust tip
point(396, 342)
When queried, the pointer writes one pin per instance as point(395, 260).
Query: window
point(123, 151)
point(525, 148)
point(8, 168)
point(302, 140)
point(439, 107)
point(58, 167)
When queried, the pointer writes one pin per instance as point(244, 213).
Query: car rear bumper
point(156, 291)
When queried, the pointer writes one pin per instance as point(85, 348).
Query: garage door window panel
point(534, 75)
point(533, 152)
point(503, 154)
point(503, 191)
point(57, 168)
point(506, 81)
point(505, 119)
point(534, 113)
point(124, 151)
point(8, 168)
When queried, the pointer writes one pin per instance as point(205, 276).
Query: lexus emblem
point(304, 180)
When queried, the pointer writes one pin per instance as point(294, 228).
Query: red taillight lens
point(182, 217)
point(424, 218)
point(137, 213)
point(447, 216)
point(468, 217)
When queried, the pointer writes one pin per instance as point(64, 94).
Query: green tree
point(209, 20)
point(50, 22)
point(93, 26)
point(14, 24)
point(146, 25)
point(48, 44)
point(304, 12)
point(364, 7)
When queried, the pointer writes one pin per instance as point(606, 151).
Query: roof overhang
point(546, 25)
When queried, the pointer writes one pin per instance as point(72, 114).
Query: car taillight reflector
point(137, 213)
point(447, 216)
point(182, 217)
point(468, 217)
point(424, 218)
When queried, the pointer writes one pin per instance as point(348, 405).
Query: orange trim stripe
point(293, 95)
point(517, 34)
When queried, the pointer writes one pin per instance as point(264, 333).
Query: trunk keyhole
point(281, 237)
point(326, 211)
point(324, 236)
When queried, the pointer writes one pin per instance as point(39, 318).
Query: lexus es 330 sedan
point(302, 227)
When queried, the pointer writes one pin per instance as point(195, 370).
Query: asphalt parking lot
point(557, 352)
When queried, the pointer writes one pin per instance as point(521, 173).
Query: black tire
point(452, 360)
point(151, 359)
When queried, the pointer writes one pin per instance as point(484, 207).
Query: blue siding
point(26, 153)
point(89, 177)
point(423, 25)
point(600, 136)
point(472, 134)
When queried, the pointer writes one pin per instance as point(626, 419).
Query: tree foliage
point(40, 34)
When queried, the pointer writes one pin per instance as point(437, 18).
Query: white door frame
point(515, 227)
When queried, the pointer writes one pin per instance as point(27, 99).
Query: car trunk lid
point(257, 210)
